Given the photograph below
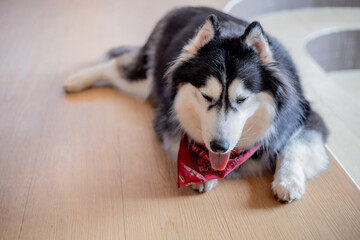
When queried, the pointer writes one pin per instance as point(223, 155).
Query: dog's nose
point(219, 146)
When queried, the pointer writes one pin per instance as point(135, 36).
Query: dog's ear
point(208, 31)
point(255, 38)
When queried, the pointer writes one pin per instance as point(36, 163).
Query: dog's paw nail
point(288, 191)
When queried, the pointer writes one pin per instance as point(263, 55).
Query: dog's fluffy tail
point(125, 68)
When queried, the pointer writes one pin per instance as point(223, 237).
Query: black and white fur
point(216, 77)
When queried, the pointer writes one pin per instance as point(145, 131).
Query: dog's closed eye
point(240, 100)
point(207, 98)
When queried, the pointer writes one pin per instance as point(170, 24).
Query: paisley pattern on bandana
point(194, 165)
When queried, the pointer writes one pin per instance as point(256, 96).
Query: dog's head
point(220, 98)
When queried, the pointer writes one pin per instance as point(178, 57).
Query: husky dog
point(226, 84)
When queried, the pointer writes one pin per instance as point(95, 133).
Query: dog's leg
point(126, 72)
point(89, 76)
point(303, 158)
point(171, 145)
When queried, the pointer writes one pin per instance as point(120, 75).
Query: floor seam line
point(26, 203)
point(122, 189)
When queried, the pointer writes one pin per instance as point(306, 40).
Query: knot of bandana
point(194, 165)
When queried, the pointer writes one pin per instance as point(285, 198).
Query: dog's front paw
point(205, 187)
point(288, 190)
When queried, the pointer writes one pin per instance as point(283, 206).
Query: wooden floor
point(88, 165)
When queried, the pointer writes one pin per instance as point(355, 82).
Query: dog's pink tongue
point(218, 160)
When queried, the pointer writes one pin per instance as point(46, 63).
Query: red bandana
point(194, 165)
